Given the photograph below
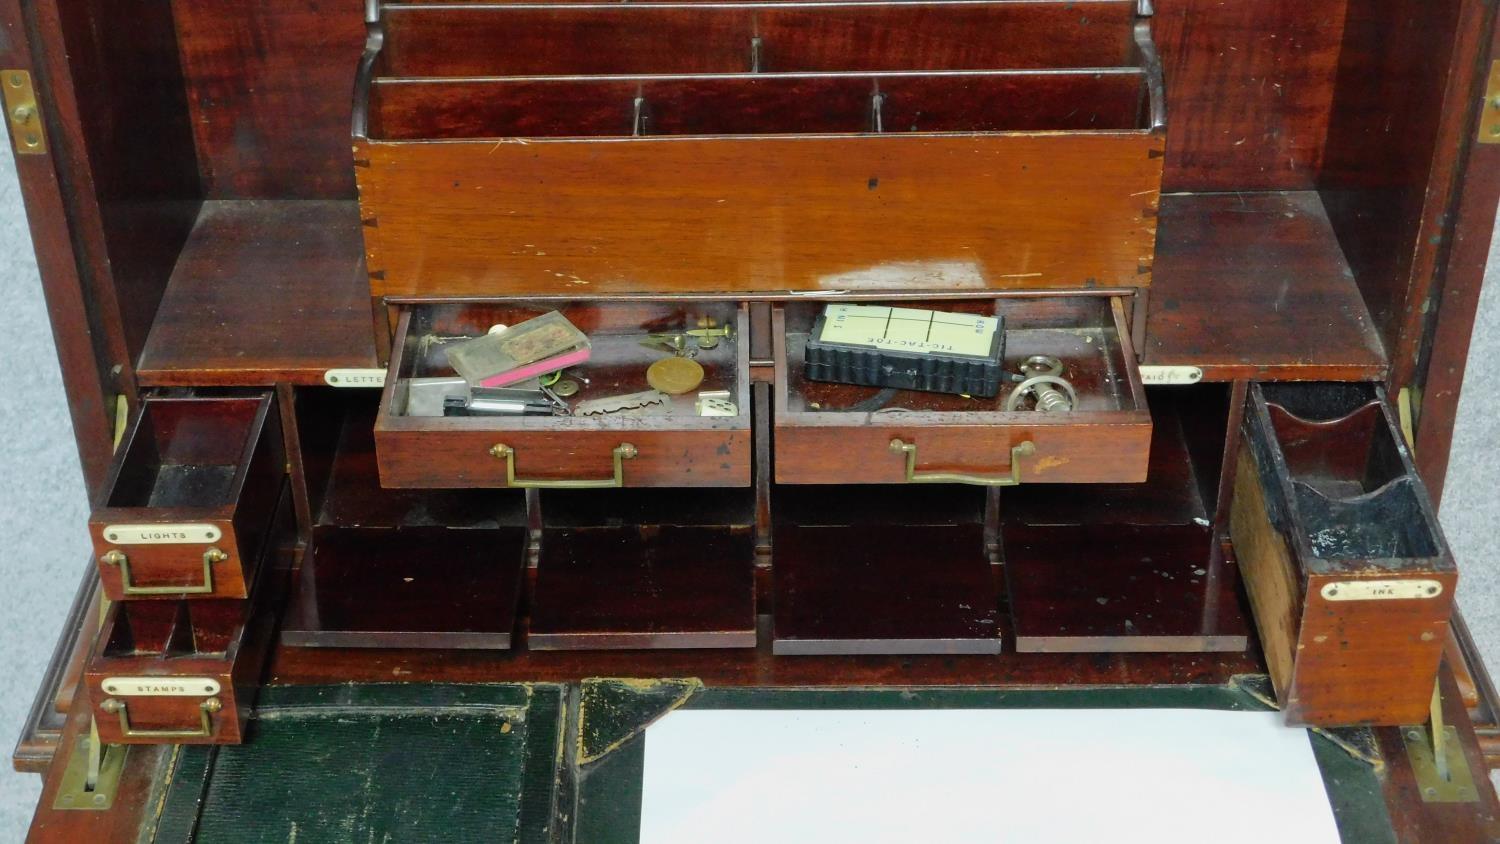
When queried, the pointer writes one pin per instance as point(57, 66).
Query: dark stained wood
point(756, 104)
point(265, 291)
point(1249, 89)
point(351, 494)
point(269, 87)
point(648, 38)
point(884, 589)
point(1378, 183)
point(1105, 439)
point(1253, 285)
point(1440, 231)
point(1106, 588)
point(198, 461)
point(134, 128)
point(412, 587)
point(1462, 279)
point(72, 304)
point(644, 587)
point(481, 218)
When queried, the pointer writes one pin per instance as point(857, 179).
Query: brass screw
point(16, 80)
point(113, 558)
point(23, 114)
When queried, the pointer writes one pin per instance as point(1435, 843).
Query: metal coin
point(675, 376)
point(566, 387)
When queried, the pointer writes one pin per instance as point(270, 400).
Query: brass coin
point(566, 387)
point(675, 376)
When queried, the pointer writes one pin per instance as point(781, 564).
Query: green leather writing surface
point(549, 763)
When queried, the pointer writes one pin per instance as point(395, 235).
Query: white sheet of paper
point(958, 776)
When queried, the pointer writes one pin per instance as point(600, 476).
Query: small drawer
point(176, 672)
point(188, 502)
point(838, 433)
point(667, 444)
point(1346, 567)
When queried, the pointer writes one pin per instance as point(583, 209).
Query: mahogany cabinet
point(1248, 235)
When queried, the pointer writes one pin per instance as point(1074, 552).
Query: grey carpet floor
point(42, 507)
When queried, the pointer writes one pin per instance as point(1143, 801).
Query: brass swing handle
point(205, 727)
point(621, 453)
point(119, 558)
point(1025, 449)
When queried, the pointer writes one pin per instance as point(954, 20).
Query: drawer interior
point(1108, 99)
point(1354, 493)
point(617, 366)
point(412, 568)
point(590, 38)
point(650, 568)
point(1087, 334)
point(188, 453)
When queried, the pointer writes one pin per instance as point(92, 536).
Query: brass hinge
point(1489, 117)
point(23, 113)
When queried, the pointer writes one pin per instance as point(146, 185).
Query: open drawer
point(667, 444)
point(841, 433)
point(1346, 567)
point(188, 503)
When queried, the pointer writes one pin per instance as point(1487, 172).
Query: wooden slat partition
point(636, 38)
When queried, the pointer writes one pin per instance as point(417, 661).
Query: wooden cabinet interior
point(1253, 193)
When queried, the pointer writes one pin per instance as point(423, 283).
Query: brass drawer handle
point(205, 728)
point(1025, 449)
point(211, 556)
point(622, 452)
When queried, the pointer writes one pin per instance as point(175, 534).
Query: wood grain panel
point(264, 292)
point(269, 85)
point(1384, 197)
point(1249, 88)
point(1253, 285)
point(648, 38)
point(485, 218)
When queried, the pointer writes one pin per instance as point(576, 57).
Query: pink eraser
point(536, 368)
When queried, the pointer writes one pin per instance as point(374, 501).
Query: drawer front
point(975, 454)
point(188, 503)
point(662, 445)
point(180, 672)
point(454, 459)
point(829, 433)
point(1346, 568)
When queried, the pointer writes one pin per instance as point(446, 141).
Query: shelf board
point(1246, 285)
point(1254, 285)
point(265, 291)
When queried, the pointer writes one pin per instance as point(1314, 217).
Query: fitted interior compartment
point(650, 568)
point(188, 453)
point(847, 433)
point(1131, 567)
point(596, 38)
point(1334, 454)
point(1109, 99)
point(657, 440)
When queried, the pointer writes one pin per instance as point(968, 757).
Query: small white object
point(162, 534)
point(716, 403)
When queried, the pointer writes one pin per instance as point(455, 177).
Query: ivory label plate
point(1171, 375)
point(354, 377)
point(1381, 590)
point(160, 686)
point(162, 534)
